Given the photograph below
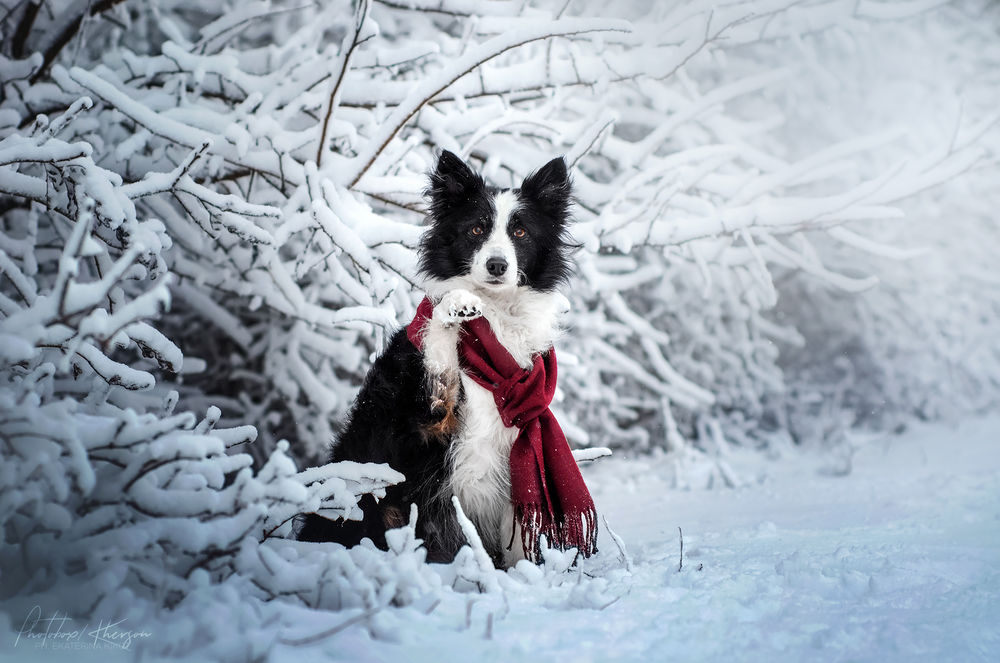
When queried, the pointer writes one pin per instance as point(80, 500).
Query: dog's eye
point(477, 230)
point(520, 232)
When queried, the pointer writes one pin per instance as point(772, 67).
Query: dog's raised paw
point(458, 306)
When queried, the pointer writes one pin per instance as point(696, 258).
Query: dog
point(501, 254)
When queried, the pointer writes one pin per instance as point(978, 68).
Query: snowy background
point(784, 322)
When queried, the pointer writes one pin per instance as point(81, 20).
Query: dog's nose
point(496, 266)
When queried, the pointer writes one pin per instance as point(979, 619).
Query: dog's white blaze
point(498, 244)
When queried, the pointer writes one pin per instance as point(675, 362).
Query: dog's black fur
point(396, 419)
point(388, 425)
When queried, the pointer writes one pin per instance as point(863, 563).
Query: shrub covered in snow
point(281, 150)
point(213, 208)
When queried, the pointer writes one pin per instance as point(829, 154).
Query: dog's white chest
point(480, 470)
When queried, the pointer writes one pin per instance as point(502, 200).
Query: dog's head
point(497, 239)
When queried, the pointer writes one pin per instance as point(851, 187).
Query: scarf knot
point(548, 493)
point(526, 396)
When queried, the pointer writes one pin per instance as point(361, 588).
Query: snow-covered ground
point(897, 560)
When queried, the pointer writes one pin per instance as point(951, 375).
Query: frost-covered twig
point(680, 562)
point(620, 544)
point(347, 50)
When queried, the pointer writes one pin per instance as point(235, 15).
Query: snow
point(895, 561)
point(890, 554)
point(886, 549)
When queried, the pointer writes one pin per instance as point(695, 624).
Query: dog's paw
point(457, 306)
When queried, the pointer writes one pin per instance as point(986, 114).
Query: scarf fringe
point(574, 531)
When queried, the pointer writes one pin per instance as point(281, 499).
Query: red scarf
point(547, 490)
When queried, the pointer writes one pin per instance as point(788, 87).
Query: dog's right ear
point(451, 181)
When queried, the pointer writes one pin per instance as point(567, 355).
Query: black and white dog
point(497, 253)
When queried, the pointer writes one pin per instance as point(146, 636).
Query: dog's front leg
point(441, 358)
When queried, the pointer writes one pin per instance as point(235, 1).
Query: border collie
point(496, 253)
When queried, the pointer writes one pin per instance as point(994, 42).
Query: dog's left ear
point(550, 187)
